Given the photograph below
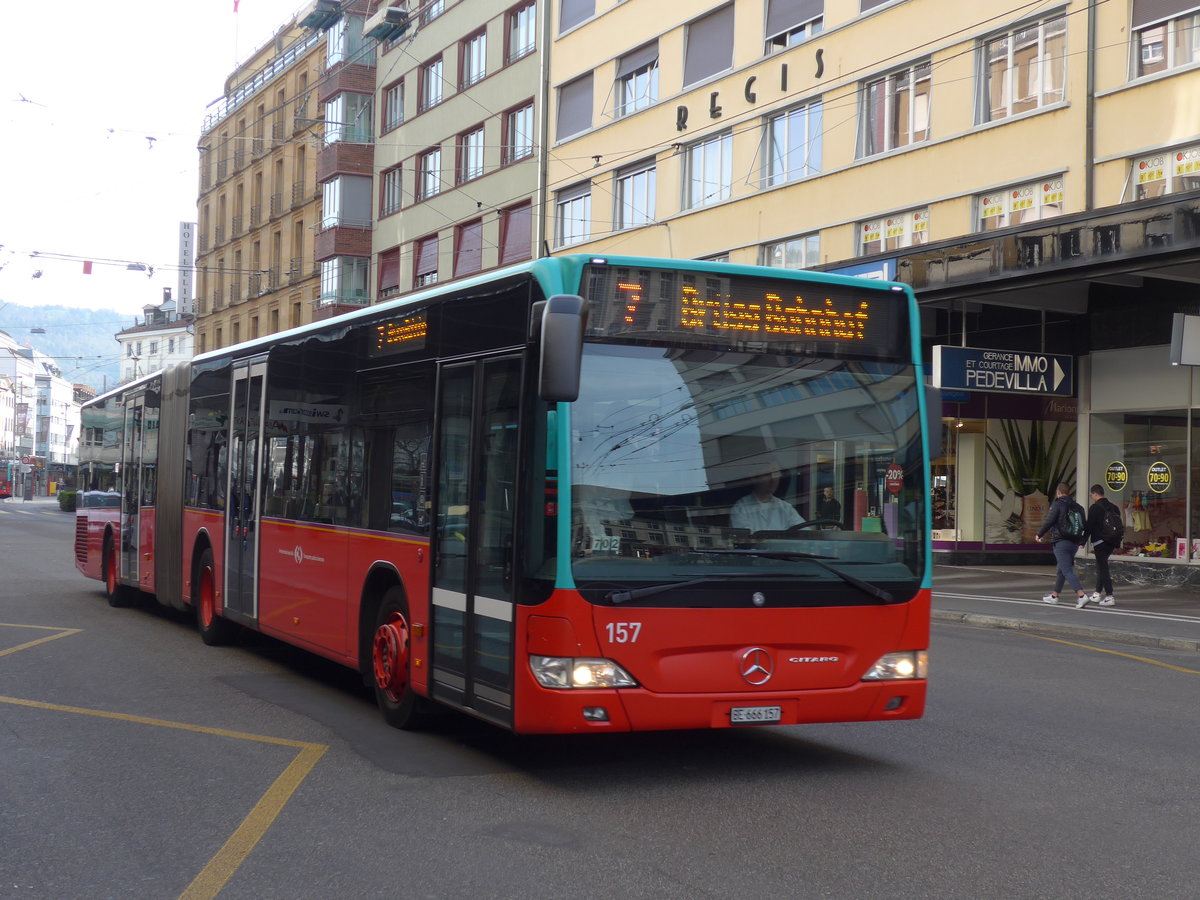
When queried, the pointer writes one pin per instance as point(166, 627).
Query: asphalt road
point(137, 762)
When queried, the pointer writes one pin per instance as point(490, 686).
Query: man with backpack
point(1106, 531)
point(1066, 526)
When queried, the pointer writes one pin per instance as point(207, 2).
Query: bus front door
point(478, 404)
point(243, 501)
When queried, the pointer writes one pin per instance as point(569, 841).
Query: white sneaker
point(1108, 601)
point(1095, 597)
point(1050, 598)
point(1083, 601)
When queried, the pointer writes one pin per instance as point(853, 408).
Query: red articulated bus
point(578, 495)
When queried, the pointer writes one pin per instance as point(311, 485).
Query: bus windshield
point(705, 467)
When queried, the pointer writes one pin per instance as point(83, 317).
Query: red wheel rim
point(208, 603)
point(110, 576)
point(390, 656)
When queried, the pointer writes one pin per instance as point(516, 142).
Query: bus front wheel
point(391, 663)
point(214, 629)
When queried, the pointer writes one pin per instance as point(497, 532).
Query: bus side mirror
point(564, 318)
point(933, 421)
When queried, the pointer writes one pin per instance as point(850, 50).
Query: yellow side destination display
point(399, 335)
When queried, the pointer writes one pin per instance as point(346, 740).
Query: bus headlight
point(900, 666)
point(565, 672)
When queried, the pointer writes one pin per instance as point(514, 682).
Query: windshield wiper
point(865, 586)
point(652, 589)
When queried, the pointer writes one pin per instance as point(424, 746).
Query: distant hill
point(80, 340)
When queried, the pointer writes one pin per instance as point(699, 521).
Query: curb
point(1052, 629)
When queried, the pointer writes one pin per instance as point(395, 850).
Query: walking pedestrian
point(1065, 525)
point(1106, 531)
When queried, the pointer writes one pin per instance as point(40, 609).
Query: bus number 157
point(623, 632)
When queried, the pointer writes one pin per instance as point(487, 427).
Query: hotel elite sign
point(1003, 371)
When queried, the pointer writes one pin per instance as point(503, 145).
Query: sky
point(101, 107)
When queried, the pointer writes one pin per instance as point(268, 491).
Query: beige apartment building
point(259, 201)
point(1032, 170)
point(460, 125)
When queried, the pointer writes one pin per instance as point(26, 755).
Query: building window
point(393, 106)
point(895, 110)
point(429, 173)
point(389, 273)
point(635, 196)
point(793, 144)
point(516, 233)
point(1167, 173)
point(709, 46)
point(1023, 203)
point(521, 35)
point(393, 193)
point(346, 200)
point(348, 118)
point(468, 248)
point(431, 9)
point(431, 83)
point(344, 42)
point(425, 265)
point(518, 134)
point(637, 80)
point(344, 280)
point(894, 232)
point(572, 12)
point(791, 21)
point(470, 154)
point(794, 253)
point(708, 171)
point(574, 107)
point(472, 59)
point(1161, 43)
point(1023, 69)
point(573, 215)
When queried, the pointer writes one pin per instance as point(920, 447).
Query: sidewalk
point(1011, 597)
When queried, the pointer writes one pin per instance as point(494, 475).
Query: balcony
point(255, 216)
point(342, 158)
point(299, 195)
point(276, 205)
point(256, 288)
point(222, 169)
point(296, 270)
point(218, 235)
point(260, 146)
point(278, 131)
point(235, 293)
point(218, 298)
point(201, 306)
point(237, 228)
point(202, 243)
point(273, 281)
point(342, 240)
point(239, 158)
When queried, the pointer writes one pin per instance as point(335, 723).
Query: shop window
point(1167, 173)
point(1141, 460)
point(1022, 203)
point(894, 232)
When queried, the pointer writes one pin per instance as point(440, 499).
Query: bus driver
point(761, 510)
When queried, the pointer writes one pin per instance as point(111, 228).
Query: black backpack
point(1112, 529)
point(1071, 522)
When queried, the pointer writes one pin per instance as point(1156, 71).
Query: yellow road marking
point(1040, 637)
point(1153, 662)
point(62, 632)
point(216, 874)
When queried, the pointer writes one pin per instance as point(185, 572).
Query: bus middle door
point(243, 504)
point(478, 406)
point(131, 491)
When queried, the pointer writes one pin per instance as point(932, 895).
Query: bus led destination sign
point(1003, 371)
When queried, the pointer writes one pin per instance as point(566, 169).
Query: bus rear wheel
point(214, 628)
point(117, 593)
point(391, 664)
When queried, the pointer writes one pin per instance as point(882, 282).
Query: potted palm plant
point(1028, 462)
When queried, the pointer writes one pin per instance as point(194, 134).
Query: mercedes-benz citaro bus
point(581, 494)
